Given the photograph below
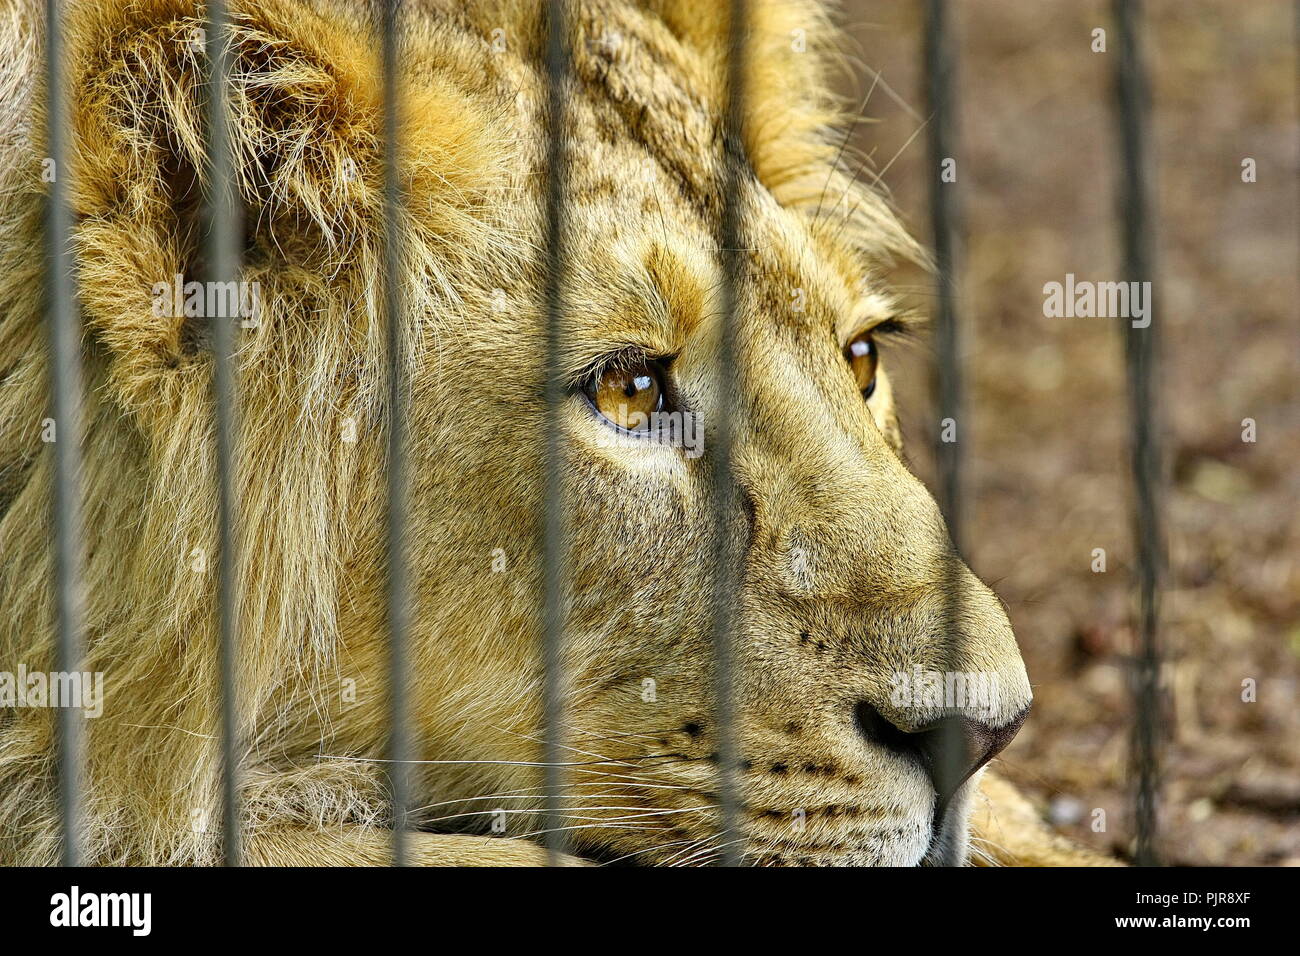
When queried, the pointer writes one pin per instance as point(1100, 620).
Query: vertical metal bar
point(398, 597)
point(726, 556)
point(554, 523)
point(1133, 103)
point(940, 67)
point(222, 258)
point(64, 329)
point(945, 213)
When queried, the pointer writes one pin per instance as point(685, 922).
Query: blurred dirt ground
point(1046, 429)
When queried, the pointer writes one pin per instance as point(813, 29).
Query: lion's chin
point(950, 845)
point(922, 842)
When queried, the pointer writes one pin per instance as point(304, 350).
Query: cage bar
point(63, 326)
point(729, 384)
point(222, 248)
point(945, 215)
point(554, 523)
point(1133, 117)
point(398, 597)
point(940, 60)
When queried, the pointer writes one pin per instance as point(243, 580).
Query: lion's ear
point(306, 133)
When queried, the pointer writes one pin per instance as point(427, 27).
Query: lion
point(848, 576)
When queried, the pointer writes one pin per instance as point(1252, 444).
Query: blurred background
point(1045, 434)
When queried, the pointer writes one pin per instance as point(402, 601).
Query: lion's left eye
point(627, 397)
point(863, 357)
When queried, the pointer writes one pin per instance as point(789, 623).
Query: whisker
point(574, 813)
point(589, 826)
point(503, 763)
point(585, 753)
point(649, 849)
point(690, 847)
point(708, 854)
point(528, 793)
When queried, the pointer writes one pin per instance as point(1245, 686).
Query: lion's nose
point(950, 750)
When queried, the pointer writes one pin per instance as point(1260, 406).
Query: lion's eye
point(628, 396)
point(863, 358)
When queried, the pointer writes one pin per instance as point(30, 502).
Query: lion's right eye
point(863, 359)
point(628, 396)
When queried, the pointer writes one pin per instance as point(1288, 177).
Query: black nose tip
point(950, 750)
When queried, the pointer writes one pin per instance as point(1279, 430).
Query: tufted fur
point(819, 469)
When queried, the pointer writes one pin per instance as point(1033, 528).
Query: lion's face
point(849, 579)
point(847, 569)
